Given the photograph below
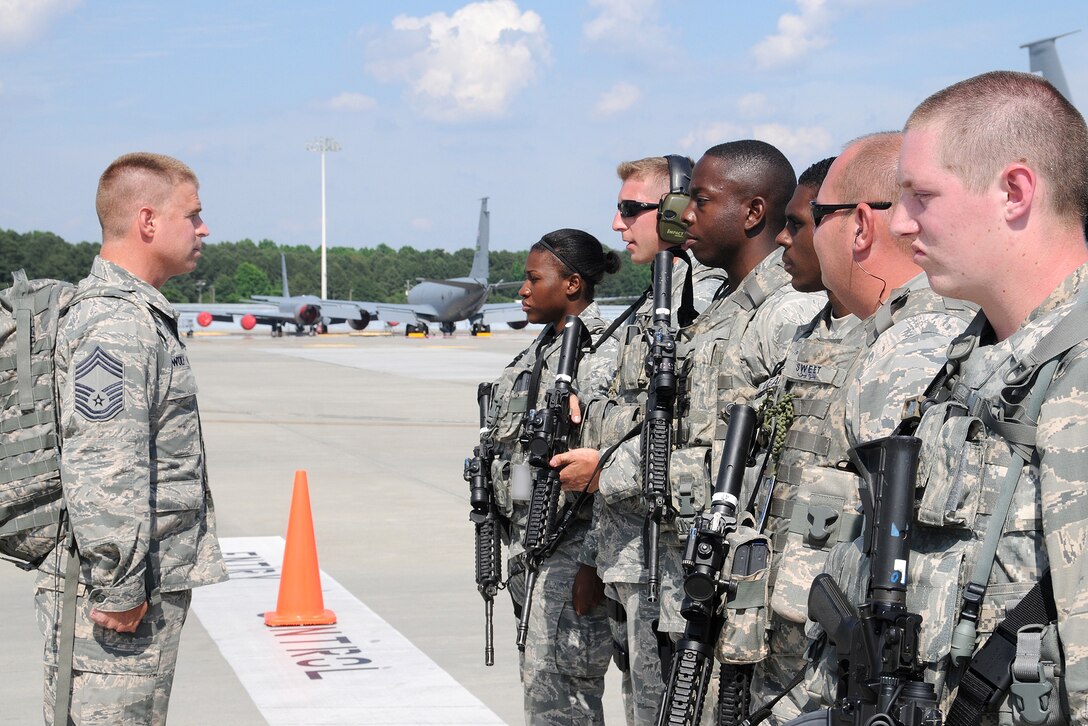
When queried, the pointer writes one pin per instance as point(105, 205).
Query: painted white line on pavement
point(357, 671)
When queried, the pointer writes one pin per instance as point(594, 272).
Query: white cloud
point(348, 101)
point(421, 223)
point(793, 141)
point(797, 35)
point(466, 65)
point(752, 105)
point(709, 134)
point(22, 20)
point(618, 98)
point(619, 18)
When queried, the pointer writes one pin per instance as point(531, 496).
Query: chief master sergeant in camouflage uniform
point(132, 466)
point(993, 174)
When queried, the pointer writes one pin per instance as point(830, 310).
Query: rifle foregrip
point(488, 557)
point(682, 702)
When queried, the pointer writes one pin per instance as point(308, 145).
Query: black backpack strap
point(989, 674)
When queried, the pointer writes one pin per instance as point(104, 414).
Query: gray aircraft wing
point(510, 312)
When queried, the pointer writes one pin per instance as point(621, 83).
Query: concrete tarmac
point(382, 425)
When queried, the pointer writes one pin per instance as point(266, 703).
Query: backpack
point(30, 488)
point(31, 500)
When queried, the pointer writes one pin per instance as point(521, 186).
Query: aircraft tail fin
point(283, 274)
point(480, 260)
point(1043, 56)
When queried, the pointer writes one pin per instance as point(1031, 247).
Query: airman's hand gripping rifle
point(657, 427)
point(547, 430)
point(704, 584)
point(485, 516)
point(881, 681)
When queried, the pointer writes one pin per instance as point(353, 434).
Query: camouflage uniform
point(963, 467)
point(566, 655)
point(864, 372)
point(136, 488)
point(727, 353)
point(614, 546)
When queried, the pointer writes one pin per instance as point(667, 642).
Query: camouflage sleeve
point(621, 477)
point(774, 325)
point(108, 373)
point(588, 553)
point(1062, 443)
point(595, 373)
point(899, 366)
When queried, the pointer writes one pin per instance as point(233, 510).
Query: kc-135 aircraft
point(430, 301)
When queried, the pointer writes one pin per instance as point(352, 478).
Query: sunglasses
point(819, 211)
point(630, 208)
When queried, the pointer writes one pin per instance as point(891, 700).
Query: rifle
point(704, 558)
point(545, 432)
point(485, 515)
point(880, 681)
point(657, 428)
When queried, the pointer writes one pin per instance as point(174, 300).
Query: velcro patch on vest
point(99, 386)
point(180, 361)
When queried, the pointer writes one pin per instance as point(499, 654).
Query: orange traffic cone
point(300, 601)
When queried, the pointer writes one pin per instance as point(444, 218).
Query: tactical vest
point(628, 390)
point(964, 468)
point(978, 434)
point(712, 377)
point(815, 504)
point(513, 398)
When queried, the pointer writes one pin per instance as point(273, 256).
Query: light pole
point(322, 145)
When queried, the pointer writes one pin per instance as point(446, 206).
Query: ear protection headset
point(670, 228)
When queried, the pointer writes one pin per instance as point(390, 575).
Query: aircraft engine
point(518, 324)
point(204, 319)
point(362, 322)
point(248, 322)
point(307, 314)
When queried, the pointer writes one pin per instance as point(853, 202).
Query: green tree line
point(233, 271)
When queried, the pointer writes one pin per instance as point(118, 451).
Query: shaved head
point(1003, 117)
point(133, 181)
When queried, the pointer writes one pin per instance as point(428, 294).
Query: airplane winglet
point(1054, 37)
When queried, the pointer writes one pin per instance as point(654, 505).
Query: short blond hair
point(652, 168)
point(135, 180)
point(1003, 117)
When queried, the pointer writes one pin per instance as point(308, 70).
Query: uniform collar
point(111, 274)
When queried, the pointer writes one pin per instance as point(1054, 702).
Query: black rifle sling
point(538, 367)
point(687, 312)
point(989, 674)
point(622, 318)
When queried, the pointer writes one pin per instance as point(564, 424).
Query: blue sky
point(436, 104)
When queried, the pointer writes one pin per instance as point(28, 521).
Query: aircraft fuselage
point(451, 302)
